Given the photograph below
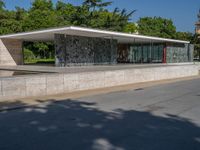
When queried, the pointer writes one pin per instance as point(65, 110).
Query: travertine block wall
point(48, 84)
point(11, 52)
point(198, 65)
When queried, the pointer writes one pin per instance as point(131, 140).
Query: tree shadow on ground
point(75, 125)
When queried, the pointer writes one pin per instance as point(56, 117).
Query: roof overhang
point(48, 35)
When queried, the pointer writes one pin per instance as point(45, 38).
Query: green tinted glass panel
point(147, 53)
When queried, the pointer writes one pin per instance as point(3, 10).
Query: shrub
point(28, 55)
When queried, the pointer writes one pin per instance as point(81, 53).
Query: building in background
point(197, 29)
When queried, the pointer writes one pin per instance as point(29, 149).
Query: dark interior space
point(140, 53)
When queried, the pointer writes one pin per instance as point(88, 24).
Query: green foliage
point(131, 28)
point(28, 55)
point(157, 26)
point(92, 13)
point(40, 61)
point(44, 14)
point(115, 21)
point(196, 41)
point(8, 23)
point(41, 50)
point(187, 36)
point(64, 13)
point(45, 61)
point(2, 5)
point(41, 15)
point(93, 4)
point(42, 5)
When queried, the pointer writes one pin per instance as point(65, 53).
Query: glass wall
point(146, 53)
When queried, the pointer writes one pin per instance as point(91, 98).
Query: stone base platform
point(79, 79)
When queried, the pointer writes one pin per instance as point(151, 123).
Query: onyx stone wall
point(177, 53)
point(79, 50)
point(191, 53)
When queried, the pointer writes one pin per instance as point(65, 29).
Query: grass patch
point(40, 61)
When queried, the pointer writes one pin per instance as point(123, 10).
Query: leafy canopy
point(157, 26)
point(92, 13)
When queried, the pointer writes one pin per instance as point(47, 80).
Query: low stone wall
point(199, 67)
point(48, 84)
point(197, 64)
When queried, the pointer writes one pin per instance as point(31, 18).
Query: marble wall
point(177, 53)
point(79, 50)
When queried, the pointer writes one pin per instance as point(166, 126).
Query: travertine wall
point(10, 52)
point(79, 50)
point(48, 84)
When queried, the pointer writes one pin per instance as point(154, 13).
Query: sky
point(182, 12)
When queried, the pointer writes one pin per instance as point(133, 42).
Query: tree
point(42, 49)
point(157, 26)
point(42, 5)
point(93, 4)
point(40, 15)
point(2, 5)
point(131, 28)
point(64, 13)
point(20, 13)
point(187, 36)
point(8, 22)
point(117, 20)
point(196, 41)
point(3, 17)
point(10, 26)
point(91, 14)
point(81, 17)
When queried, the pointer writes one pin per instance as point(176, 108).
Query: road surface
point(162, 117)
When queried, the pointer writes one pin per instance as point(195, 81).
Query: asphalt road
point(165, 117)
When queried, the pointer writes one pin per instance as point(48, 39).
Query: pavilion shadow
point(75, 125)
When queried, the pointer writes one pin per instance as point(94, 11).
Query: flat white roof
point(48, 35)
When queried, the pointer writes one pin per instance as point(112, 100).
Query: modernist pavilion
point(85, 46)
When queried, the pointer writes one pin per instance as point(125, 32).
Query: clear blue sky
point(182, 12)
